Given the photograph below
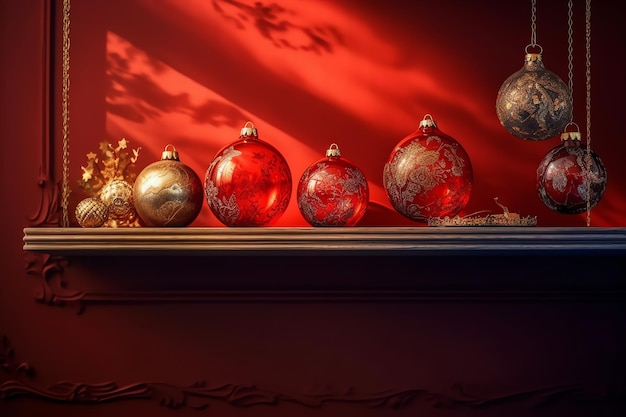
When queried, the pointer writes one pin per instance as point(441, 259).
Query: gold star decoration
point(109, 165)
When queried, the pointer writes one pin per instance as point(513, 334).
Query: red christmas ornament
point(428, 174)
point(332, 191)
point(248, 183)
point(567, 175)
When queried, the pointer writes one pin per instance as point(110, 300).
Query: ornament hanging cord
point(65, 191)
point(588, 102)
point(533, 23)
point(533, 29)
point(570, 50)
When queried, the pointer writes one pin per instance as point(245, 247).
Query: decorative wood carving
point(201, 395)
point(60, 296)
point(48, 270)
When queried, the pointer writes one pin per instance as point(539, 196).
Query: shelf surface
point(413, 241)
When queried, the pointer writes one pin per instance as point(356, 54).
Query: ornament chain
point(533, 24)
point(588, 101)
point(65, 111)
point(570, 48)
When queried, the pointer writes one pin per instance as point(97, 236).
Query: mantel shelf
point(364, 241)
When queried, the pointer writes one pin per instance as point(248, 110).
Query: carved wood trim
point(201, 395)
point(48, 212)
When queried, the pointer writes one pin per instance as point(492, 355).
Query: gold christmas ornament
point(474, 219)
point(534, 103)
point(91, 212)
point(117, 195)
point(168, 192)
point(108, 176)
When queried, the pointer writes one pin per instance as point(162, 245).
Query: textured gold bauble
point(118, 197)
point(534, 103)
point(91, 212)
point(168, 192)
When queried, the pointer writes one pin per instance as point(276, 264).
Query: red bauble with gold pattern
point(428, 174)
point(248, 183)
point(332, 191)
point(568, 176)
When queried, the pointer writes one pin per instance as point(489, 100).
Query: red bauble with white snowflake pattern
point(428, 174)
point(248, 183)
point(333, 191)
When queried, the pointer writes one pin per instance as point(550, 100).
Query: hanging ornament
point(248, 183)
point(567, 177)
point(168, 192)
point(428, 174)
point(572, 179)
point(332, 191)
point(91, 212)
point(534, 103)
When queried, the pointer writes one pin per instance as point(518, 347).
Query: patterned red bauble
point(248, 183)
point(568, 175)
point(428, 174)
point(332, 191)
point(168, 192)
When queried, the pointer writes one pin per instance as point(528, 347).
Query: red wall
point(345, 72)
point(507, 335)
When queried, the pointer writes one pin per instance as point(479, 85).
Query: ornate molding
point(8, 363)
point(84, 299)
point(48, 212)
point(201, 395)
point(48, 270)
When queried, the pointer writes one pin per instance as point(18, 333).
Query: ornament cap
point(249, 130)
point(573, 135)
point(570, 136)
point(427, 121)
point(333, 151)
point(170, 154)
point(533, 58)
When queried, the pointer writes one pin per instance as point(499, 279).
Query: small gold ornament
point(91, 212)
point(118, 197)
point(109, 177)
point(168, 192)
point(504, 219)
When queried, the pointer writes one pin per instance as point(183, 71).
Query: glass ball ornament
point(428, 174)
point(118, 197)
point(168, 192)
point(332, 191)
point(534, 103)
point(567, 176)
point(248, 183)
point(91, 212)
